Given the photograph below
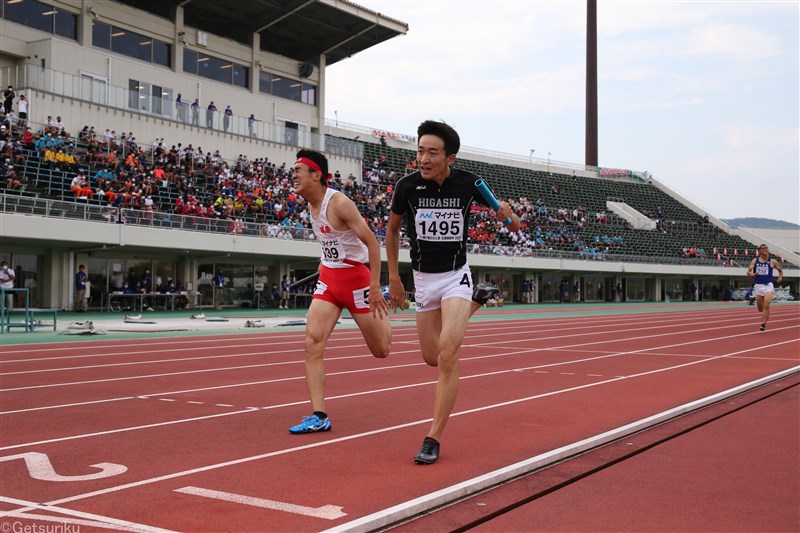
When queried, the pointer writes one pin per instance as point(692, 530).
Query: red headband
point(309, 163)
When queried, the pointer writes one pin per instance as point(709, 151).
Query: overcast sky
point(703, 95)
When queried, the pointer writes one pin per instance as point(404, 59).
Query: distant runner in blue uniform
point(761, 271)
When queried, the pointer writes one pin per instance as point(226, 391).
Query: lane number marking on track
point(40, 467)
point(328, 512)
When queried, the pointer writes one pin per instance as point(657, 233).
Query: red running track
point(190, 433)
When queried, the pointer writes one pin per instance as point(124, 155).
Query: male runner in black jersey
point(437, 199)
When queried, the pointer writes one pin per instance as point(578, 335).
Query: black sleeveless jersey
point(437, 218)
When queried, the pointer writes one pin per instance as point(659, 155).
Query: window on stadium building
point(41, 16)
point(287, 88)
point(149, 98)
point(131, 44)
point(215, 68)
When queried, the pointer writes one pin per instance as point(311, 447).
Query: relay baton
point(308, 279)
point(488, 195)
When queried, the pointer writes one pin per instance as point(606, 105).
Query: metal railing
point(88, 89)
point(86, 211)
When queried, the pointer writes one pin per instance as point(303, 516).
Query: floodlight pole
point(591, 83)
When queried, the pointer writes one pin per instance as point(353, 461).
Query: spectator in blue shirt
point(80, 289)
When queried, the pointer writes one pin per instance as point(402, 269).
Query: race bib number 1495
point(439, 224)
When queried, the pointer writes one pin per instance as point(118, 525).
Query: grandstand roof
point(298, 29)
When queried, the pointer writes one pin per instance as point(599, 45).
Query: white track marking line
point(263, 339)
point(241, 367)
point(39, 467)
point(133, 428)
point(338, 336)
point(327, 512)
point(285, 451)
point(393, 367)
point(161, 361)
point(183, 372)
point(65, 405)
point(377, 521)
point(344, 335)
point(401, 387)
point(94, 520)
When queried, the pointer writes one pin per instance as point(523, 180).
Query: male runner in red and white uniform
point(344, 280)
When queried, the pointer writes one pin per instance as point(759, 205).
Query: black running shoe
point(764, 326)
point(484, 292)
point(429, 452)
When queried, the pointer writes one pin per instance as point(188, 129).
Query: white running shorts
point(760, 289)
point(432, 288)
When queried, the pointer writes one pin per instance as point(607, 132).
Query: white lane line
point(317, 444)
point(64, 405)
point(298, 361)
point(327, 512)
point(494, 344)
point(94, 520)
point(172, 360)
point(407, 386)
point(133, 428)
point(377, 521)
point(510, 325)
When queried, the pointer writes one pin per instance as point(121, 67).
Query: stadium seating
point(550, 192)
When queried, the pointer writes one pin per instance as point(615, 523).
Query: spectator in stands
point(7, 277)
point(81, 187)
point(179, 108)
point(251, 124)
point(10, 121)
point(11, 152)
point(284, 302)
point(226, 119)
point(8, 99)
point(13, 182)
point(218, 285)
point(210, 110)
point(22, 111)
point(196, 112)
point(80, 289)
point(50, 156)
point(60, 127)
point(50, 125)
point(275, 293)
point(28, 139)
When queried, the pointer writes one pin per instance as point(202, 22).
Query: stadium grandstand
point(159, 134)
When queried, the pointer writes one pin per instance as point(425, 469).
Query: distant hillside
point(764, 223)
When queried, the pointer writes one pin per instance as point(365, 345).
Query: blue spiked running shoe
point(311, 424)
point(484, 292)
